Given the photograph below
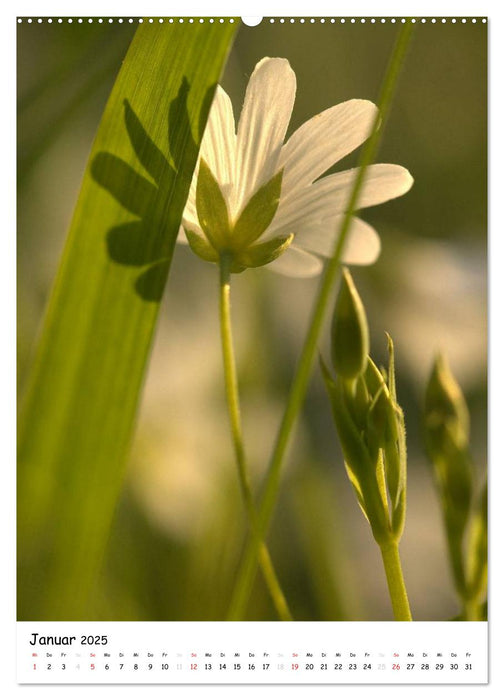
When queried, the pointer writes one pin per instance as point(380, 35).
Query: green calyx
point(370, 426)
point(236, 240)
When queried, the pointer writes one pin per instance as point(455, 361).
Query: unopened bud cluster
point(369, 421)
point(446, 428)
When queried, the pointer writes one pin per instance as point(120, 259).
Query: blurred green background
point(179, 527)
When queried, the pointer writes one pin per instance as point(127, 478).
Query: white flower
point(311, 209)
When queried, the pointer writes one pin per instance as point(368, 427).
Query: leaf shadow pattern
point(149, 240)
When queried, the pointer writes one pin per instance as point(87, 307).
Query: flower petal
point(362, 245)
point(181, 236)
point(382, 182)
point(261, 130)
point(218, 148)
point(218, 145)
point(324, 140)
point(329, 196)
point(190, 215)
point(296, 263)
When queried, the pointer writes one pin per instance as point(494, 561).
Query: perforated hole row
point(375, 20)
point(125, 20)
point(271, 20)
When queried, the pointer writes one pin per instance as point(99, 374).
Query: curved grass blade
point(78, 414)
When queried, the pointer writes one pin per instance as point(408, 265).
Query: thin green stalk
point(457, 563)
point(233, 402)
point(471, 610)
point(395, 581)
point(247, 571)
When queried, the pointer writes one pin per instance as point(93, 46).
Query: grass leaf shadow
point(149, 239)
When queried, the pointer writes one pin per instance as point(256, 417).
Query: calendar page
point(252, 349)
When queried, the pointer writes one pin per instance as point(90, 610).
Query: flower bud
point(446, 426)
point(446, 413)
point(350, 334)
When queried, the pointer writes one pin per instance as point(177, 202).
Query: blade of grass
point(78, 414)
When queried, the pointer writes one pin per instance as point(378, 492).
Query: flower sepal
point(235, 239)
point(201, 247)
point(258, 213)
point(262, 253)
point(212, 209)
point(361, 466)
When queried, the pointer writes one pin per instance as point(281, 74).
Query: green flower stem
point(457, 562)
point(248, 568)
point(471, 610)
point(238, 444)
point(395, 580)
